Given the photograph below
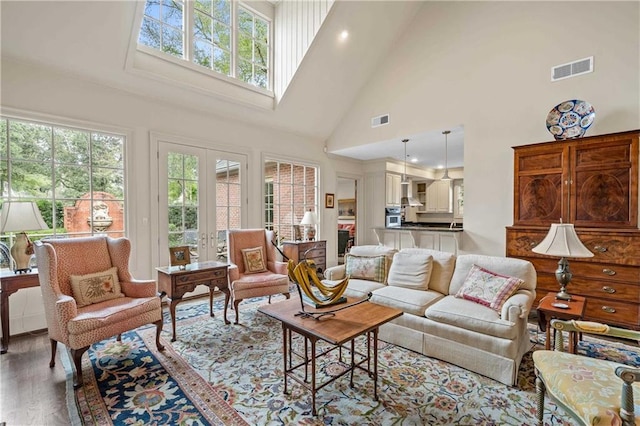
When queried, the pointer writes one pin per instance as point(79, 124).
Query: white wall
point(487, 65)
point(39, 92)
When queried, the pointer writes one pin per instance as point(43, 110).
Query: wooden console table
point(176, 282)
point(10, 282)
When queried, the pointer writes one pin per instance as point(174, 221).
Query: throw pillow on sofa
point(488, 288)
point(410, 271)
point(372, 268)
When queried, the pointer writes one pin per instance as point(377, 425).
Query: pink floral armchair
point(254, 271)
point(89, 294)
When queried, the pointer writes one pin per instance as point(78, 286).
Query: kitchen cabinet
point(593, 183)
point(438, 197)
point(458, 199)
point(393, 189)
point(421, 193)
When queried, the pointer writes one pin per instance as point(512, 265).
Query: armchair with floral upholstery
point(89, 294)
point(254, 270)
point(593, 391)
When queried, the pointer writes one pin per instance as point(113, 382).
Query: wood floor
point(31, 393)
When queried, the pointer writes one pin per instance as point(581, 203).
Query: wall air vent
point(380, 120)
point(572, 69)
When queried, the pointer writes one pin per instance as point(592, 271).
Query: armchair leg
point(76, 354)
point(236, 302)
point(287, 295)
point(119, 337)
point(54, 348)
point(158, 331)
point(540, 390)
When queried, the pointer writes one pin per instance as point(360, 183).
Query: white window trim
point(188, 48)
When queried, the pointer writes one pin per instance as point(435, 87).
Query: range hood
point(407, 197)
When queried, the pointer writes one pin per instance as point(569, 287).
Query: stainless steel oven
point(393, 217)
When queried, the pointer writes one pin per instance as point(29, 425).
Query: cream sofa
point(423, 284)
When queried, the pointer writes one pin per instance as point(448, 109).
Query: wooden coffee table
point(344, 327)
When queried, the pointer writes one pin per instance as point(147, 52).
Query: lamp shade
point(18, 216)
point(562, 241)
point(309, 218)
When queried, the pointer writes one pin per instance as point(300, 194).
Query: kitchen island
point(442, 238)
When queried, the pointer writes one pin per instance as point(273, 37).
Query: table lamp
point(309, 220)
point(562, 241)
point(20, 216)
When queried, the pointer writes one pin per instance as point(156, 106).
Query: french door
point(201, 195)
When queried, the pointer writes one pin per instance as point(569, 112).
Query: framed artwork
point(179, 256)
point(347, 208)
point(328, 201)
point(297, 233)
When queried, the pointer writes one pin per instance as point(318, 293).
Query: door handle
point(203, 240)
point(213, 240)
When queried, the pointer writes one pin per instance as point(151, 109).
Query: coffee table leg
point(353, 360)
point(313, 376)
point(375, 364)
point(285, 355)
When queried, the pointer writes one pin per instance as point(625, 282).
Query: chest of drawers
point(313, 250)
point(610, 280)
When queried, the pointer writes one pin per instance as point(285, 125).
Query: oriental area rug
point(217, 374)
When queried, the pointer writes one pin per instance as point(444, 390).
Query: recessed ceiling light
point(344, 35)
point(414, 160)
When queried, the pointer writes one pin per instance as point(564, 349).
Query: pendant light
point(405, 181)
point(445, 176)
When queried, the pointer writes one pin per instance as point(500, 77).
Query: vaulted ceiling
point(91, 40)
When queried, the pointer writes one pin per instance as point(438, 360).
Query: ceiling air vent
point(380, 120)
point(572, 69)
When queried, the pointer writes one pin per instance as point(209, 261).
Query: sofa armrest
point(518, 306)
point(335, 272)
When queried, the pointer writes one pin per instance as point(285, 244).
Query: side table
point(547, 311)
point(176, 282)
point(10, 282)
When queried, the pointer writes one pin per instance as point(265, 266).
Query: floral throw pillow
point(253, 260)
point(372, 268)
point(96, 287)
point(488, 288)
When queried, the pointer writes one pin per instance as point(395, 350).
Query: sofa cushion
point(410, 270)
point(357, 288)
point(373, 268)
point(97, 287)
point(471, 316)
point(408, 300)
point(488, 288)
point(254, 260)
point(442, 269)
point(374, 250)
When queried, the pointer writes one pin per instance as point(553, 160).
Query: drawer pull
point(608, 289)
point(609, 309)
point(600, 249)
point(608, 271)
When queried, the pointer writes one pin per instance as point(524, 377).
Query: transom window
point(221, 35)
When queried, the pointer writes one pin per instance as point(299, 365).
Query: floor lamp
point(562, 241)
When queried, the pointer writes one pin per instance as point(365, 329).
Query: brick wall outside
point(80, 217)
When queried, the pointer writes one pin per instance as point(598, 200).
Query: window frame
point(56, 122)
point(189, 47)
point(274, 197)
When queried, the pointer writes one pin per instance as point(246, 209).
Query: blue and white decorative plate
point(570, 119)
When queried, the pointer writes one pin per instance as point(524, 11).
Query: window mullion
point(189, 29)
point(234, 38)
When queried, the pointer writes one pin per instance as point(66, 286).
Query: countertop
point(423, 228)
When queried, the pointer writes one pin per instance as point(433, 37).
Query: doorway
point(347, 191)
